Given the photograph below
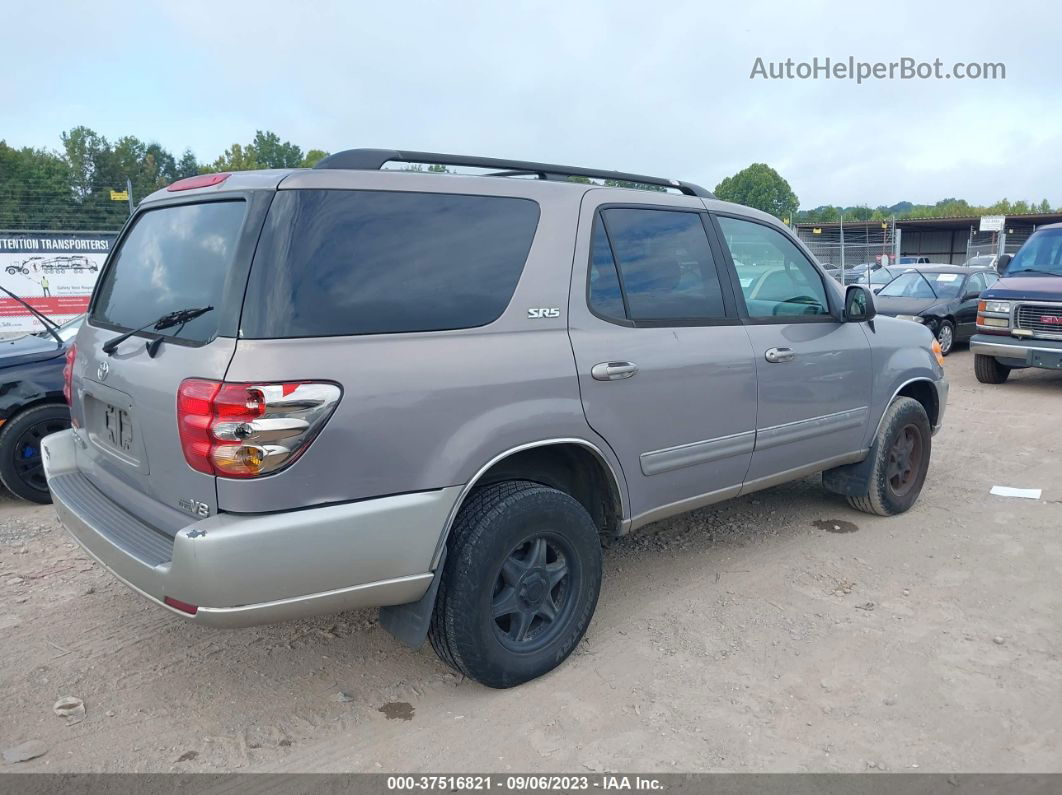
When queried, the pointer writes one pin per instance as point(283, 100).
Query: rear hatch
point(181, 253)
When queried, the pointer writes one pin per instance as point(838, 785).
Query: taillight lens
point(68, 374)
point(247, 430)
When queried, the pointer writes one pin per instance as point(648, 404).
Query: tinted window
point(605, 296)
point(775, 276)
point(336, 263)
point(665, 264)
point(173, 258)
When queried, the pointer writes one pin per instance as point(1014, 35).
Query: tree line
point(71, 188)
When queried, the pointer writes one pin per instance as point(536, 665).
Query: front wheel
point(988, 369)
point(519, 585)
point(21, 461)
point(901, 459)
point(946, 337)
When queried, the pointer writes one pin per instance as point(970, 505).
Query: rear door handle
point(776, 355)
point(613, 371)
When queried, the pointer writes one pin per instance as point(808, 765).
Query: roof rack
point(374, 159)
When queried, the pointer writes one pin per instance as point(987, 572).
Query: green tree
point(187, 166)
point(759, 186)
point(35, 190)
point(270, 152)
point(311, 158)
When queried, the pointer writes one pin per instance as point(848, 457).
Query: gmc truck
point(1019, 318)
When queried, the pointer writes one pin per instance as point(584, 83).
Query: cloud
point(655, 89)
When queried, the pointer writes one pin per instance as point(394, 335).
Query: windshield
point(919, 284)
point(1041, 252)
point(173, 258)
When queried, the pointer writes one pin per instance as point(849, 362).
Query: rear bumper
point(241, 570)
point(1015, 352)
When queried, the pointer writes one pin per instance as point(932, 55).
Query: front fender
point(902, 354)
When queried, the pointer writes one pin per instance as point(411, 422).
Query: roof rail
point(374, 159)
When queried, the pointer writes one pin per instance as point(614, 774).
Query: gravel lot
point(778, 632)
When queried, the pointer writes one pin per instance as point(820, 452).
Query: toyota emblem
point(102, 371)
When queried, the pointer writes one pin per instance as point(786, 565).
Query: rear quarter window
point(338, 263)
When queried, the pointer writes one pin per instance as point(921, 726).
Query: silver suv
point(300, 392)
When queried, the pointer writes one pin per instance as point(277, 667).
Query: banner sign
point(53, 271)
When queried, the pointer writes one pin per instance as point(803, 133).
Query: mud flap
point(409, 622)
point(851, 480)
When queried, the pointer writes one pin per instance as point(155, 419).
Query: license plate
point(118, 428)
point(1045, 359)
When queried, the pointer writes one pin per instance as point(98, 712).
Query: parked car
point(943, 298)
point(908, 259)
point(349, 387)
point(989, 262)
point(32, 405)
point(1019, 319)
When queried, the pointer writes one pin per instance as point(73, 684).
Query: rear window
point(336, 263)
point(173, 258)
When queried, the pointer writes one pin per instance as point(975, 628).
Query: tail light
point(247, 430)
point(68, 374)
point(200, 181)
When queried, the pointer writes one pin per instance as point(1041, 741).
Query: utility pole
point(842, 246)
point(129, 191)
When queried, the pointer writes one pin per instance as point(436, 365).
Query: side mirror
point(858, 304)
point(1003, 262)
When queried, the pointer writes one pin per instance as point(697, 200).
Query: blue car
point(32, 405)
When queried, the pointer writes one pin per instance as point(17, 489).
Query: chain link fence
point(848, 252)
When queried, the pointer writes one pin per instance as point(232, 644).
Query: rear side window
point(173, 258)
point(337, 263)
point(653, 266)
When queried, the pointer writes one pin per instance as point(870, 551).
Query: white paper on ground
point(1010, 491)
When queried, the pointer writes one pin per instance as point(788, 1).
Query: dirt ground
point(778, 632)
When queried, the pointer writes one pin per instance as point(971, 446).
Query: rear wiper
point(49, 325)
point(178, 318)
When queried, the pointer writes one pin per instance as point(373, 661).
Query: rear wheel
point(989, 371)
point(901, 459)
point(520, 583)
point(21, 461)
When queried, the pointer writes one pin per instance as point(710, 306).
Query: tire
point(502, 578)
point(21, 464)
point(901, 454)
point(989, 371)
point(946, 337)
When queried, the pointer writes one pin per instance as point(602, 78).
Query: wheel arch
point(573, 465)
point(922, 390)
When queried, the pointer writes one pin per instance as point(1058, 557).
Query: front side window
point(173, 258)
point(776, 278)
point(653, 266)
point(348, 262)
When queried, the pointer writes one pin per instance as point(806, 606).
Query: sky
point(661, 89)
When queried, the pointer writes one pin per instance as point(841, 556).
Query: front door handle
point(776, 355)
point(613, 371)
